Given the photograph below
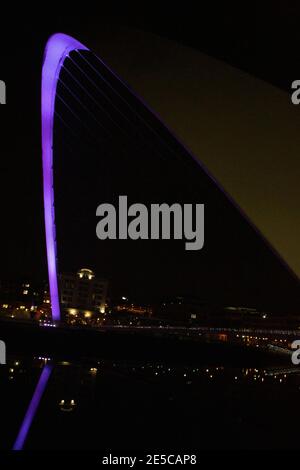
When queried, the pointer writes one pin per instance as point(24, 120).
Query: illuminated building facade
point(82, 294)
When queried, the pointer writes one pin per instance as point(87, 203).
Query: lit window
point(72, 311)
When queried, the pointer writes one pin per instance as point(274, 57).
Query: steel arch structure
point(57, 50)
point(58, 47)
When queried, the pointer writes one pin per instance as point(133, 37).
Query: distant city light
point(72, 311)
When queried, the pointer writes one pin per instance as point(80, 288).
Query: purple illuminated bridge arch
point(57, 49)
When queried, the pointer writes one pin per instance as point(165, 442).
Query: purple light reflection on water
point(32, 408)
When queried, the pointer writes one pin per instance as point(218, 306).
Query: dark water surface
point(149, 405)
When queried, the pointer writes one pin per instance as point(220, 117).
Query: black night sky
point(235, 265)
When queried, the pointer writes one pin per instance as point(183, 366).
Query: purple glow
point(32, 408)
point(57, 49)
